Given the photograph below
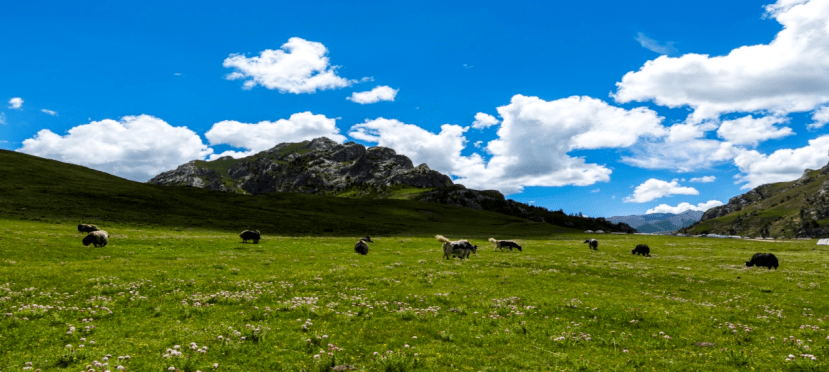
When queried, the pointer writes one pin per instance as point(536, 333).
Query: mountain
point(324, 167)
point(320, 166)
point(39, 189)
point(798, 208)
point(659, 222)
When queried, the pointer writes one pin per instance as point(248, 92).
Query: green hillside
point(796, 208)
point(46, 190)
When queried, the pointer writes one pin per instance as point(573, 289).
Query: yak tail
point(492, 240)
point(442, 238)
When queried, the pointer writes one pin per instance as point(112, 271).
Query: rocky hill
point(320, 166)
point(659, 222)
point(324, 167)
point(798, 208)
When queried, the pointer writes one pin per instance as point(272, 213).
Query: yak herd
point(451, 249)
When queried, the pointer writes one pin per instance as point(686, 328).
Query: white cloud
point(478, 144)
point(782, 165)
point(655, 46)
point(655, 189)
point(16, 103)
point(704, 179)
point(2, 118)
point(440, 151)
point(266, 134)
point(532, 145)
point(379, 93)
point(50, 112)
point(684, 207)
point(790, 74)
point(300, 66)
point(750, 131)
point(136, 147)
point(819, 118)
point(483, 120)
point(684, 149)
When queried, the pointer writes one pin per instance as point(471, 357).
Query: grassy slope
point(780, 212)
point(42, 189)
point(464, 314)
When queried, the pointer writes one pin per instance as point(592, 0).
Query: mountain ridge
point(659, 222)
point(324, 167)
point(792, 209)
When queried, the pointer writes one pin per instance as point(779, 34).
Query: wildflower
point(415, 337)
point(215, 365)
point(625, 350)
point(406, 346)
point(69, 346)
point(171, 368)
point(177, 347)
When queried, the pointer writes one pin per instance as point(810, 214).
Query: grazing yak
point(501, 244)
point(767, 260)
point(593, 244)
point(96, 238)
point(250, 235)
point(87, 228)
point(361, 247)
point(642, 249)
point(460, 248)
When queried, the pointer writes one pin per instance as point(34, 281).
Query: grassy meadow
point(198, 299)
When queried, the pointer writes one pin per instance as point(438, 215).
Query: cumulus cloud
point(16, 103)
point(655, 189)
point(819, 118)
point(684, 207)
point(704, 179)
point(782, 165)
point(533, 142)
point(379, 93)
point(789, 74)
point(750, 131)
point(483, 120)
point(135, 147)
point(50, 112)
point(684, 149)
point(266, 134)
point(655, 46)
point(300, 66)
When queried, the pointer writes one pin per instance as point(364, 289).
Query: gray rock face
point(318, 166)
point(737, 203)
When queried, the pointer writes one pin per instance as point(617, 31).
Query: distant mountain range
point(659, 222)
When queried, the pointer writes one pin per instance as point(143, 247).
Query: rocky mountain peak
point(318, 166)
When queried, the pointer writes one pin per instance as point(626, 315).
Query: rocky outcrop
point(737, 203)
point(319, 166)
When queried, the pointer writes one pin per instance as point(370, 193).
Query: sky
point(604, 108)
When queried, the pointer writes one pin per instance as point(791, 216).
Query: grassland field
point(159, 299)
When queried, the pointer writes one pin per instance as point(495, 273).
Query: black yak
point(763, 260)
point(250, 235)
point(87, 228)
point(361, 247)
point(593, 244)
point(96, 238)
point(501, 244)
point(642, 249)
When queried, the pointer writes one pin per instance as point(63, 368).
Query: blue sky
point(600, 107)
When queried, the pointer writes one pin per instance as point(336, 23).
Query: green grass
point(555, 306)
